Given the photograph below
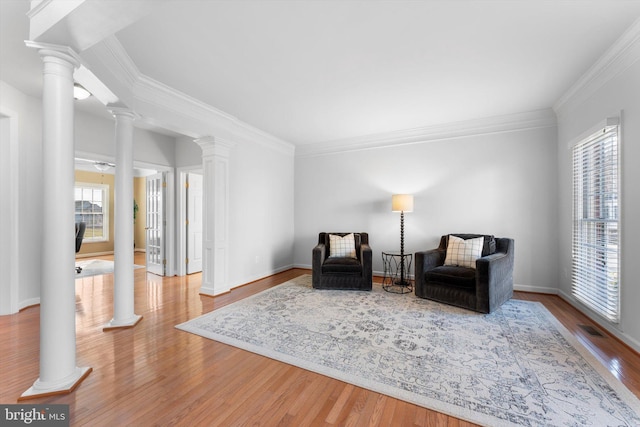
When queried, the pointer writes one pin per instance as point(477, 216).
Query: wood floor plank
point(332, 418)
point(154, 374)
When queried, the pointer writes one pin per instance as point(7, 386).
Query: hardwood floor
point(154, 374)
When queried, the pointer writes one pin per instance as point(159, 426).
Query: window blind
point(595, 242)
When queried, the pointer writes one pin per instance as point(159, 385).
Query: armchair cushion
point(342, 265)
point(461, 277)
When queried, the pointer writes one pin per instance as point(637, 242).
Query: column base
point(211, 292)
point(123, 324)
point(64, 387)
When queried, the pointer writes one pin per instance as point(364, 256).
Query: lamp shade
point(402, 203)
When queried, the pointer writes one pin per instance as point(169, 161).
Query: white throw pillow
point(342, 246)
point(463, 253)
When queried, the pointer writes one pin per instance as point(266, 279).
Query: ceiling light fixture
point(103, 166)
point(79, 92)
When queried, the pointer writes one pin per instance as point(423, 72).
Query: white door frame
point(169, 215)
point(10, 251)
point(195, 223)
point(181, 229)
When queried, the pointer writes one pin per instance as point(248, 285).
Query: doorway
point(155, 225)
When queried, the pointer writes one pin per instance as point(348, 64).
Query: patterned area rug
point(516, 366)
point(94, 267)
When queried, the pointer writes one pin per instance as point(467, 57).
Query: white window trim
point(105, 210)
point(608, 124)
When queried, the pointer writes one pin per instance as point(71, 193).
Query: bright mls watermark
point(34, 415)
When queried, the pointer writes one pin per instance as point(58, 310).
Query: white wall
point(502, 184)
point(28, 111)
point(589, 107)
point(188, 153)
point(260, 212)
point(95, 135)
point(154, 148)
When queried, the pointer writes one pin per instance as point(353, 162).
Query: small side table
point(395, 279)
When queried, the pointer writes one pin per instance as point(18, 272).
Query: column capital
point(64, 53)
point(120, 111)
point(212, 146)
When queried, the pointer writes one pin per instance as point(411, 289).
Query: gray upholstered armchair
point(482, 289)
point(342, 272)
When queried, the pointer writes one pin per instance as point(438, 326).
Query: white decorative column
point(215, 252)
point(58, 370)
point(123, 283)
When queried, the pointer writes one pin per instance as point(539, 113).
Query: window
point(92, 208)
point(596, 223)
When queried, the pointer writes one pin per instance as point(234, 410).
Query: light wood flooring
point(154, 374)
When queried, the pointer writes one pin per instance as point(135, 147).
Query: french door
point(156, 224)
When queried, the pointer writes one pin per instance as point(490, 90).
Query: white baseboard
point(262, 276)
point(535, 289)
point(28, 303)
point(247, 280)
point(609, 327)
point(210, 291)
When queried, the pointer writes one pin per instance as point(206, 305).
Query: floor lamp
point(402, 203)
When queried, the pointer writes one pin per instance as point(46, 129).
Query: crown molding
point(159, 95)
point(489, 125)
point(261, 137)
point(111, 65)
point(618, 58)
point(126, 71)
point(158, 103)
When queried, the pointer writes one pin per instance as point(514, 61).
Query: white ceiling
point(316, 71)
